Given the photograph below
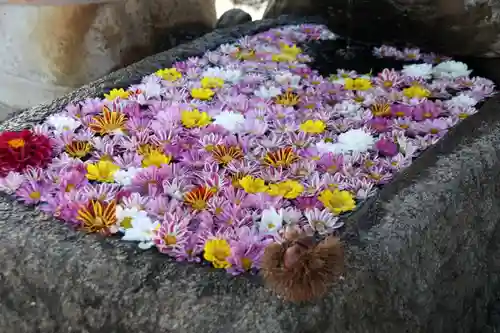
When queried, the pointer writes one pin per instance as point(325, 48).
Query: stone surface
point(48, 51)
point(233, 17)
point(454, 27)
point(422, 257)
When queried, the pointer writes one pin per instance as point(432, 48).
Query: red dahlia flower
point(18, 150)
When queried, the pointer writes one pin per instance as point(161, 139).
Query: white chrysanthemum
point(350, 142)
point(461, 101)
point(271, 220)
point(62, 123)
point(288, 79)
point(451, 69)
point(228, 75)
point(142, 231)
point(356, 140)
point(124, 177)
point(267, 92)
point(417, 71)
point(228, 48)
point(231, 121)
point(347, 108)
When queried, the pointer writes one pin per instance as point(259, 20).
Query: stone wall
point(422, 257)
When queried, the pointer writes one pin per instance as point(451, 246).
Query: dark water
point(330, 55)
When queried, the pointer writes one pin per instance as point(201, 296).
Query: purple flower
point(386, 147)
point(426, 110)
point(246, 251)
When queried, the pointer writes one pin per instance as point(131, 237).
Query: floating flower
point(117, 93)
point(357, 84)
point(63, 124)
point(313, 126)
point(141, 229)
point(169, 74)
point(19, 150)
point(289, 189)
point(78, 149)
point(211, 82)
point(283, 157)
point(271, 220)
point(287, 99)
point(231, 121)
point(337, 201)
point(98, 216)
point(226, 154)
point(217, 251)
point(156, 158)
point(322, 221)
point(102, 171)
point(198, 197)
point(416, 91)
point(109, 122)
point(253, 185)
point(195, 118)
point(202, 93)
point(451, 69)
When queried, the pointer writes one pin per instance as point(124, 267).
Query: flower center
point(16, 143)
point(35, 195)
point(170, 240)
point(283, 157)
point(126, 223)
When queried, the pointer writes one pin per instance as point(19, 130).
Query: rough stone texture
point(49, 51)
point(233, 17)
point(423, 257)
point(454, 27)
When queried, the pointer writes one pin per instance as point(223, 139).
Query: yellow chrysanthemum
point(169, 74)
point(102, 171)
point(253, 185)
point(337, 201)
point(357, 84)
point(109, 122)
point(117, 93)
point(217, 251)
point(204, 94)
point(289, 189)
point(416, 91)
point(97, 216)
point(313, 126)
point(156, 158)
point(195, 118)
point(211, 82)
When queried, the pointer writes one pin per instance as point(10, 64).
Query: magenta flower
point(387, 147)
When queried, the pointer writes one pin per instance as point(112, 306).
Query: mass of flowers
point(213, 158)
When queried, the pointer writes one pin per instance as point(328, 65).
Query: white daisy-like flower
point(124, 177)
point(347, 108)
point(232, 75)
point(267, 92)
point(228, 48)
point(417, 71)
point(322, 221)
point(231, 121)
point(11, 182)
point(62, 124)
point(125, 216)
point(461, 101)
point(142, 231)
point(324, 147)
point(288, 79)
point(451, 69)
point(271, 220)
